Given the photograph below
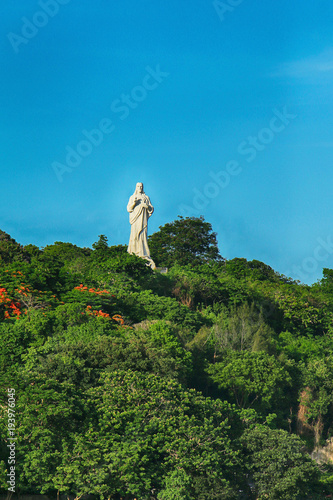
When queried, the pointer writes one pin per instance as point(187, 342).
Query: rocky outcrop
point(324, 454)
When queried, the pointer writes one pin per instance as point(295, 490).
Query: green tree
point(196, 286)
point(189, 240)
point(151, 428)
point(244, 329)
point(102, 244)
point(327, 280)
point(130, 435)
point(252, 379)
point(166, 352)
point(81, 352)
point(147, 305)
point(116, 260)
point(50, 412)
point(66, 251)
point(278, 466)
point(10, 250)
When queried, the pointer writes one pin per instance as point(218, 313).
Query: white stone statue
point(140, 209)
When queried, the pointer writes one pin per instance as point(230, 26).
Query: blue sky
point(181, 92)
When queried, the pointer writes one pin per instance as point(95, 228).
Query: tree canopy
point(188, 240)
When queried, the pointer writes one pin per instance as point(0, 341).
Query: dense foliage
point(184, 241)
point(213, 381)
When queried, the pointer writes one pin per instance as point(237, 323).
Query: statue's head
point(139, 187)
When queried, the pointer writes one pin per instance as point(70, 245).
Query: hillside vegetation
point(212, 381)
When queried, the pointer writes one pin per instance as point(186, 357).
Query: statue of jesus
point(140, 209)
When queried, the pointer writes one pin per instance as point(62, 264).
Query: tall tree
point(189, 240)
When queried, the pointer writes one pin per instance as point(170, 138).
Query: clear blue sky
point(183, 91)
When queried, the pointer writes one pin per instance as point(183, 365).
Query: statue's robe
point(138, 217)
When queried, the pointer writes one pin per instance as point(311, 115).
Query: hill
point(213, 381)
